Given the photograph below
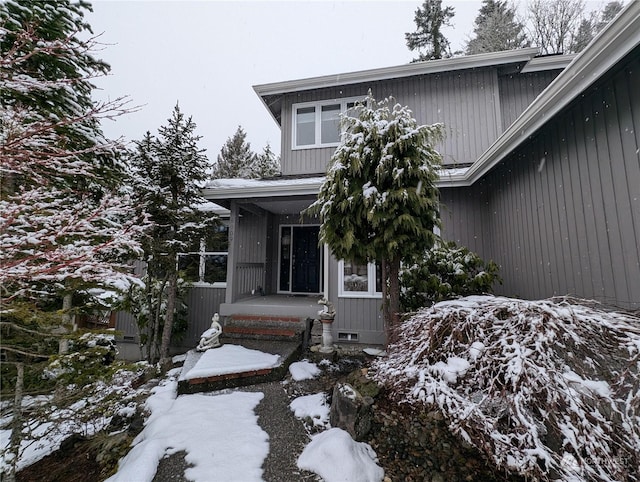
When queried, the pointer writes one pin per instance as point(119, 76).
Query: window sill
point(377, 296)
point(315, 146)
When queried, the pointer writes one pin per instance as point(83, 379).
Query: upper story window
point(206, 263)
point(317, 124)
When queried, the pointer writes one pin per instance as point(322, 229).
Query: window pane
point(306, 126)
point(356, 277)
point(189, 265)
point(215, 268)
point(330, 123)
point(285, 259)
point(378, 278)
point(219, 241)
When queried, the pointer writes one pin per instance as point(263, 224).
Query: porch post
point(229, 296)
point(325, 271)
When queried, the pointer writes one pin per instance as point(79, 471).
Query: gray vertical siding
point(251, 253)
point(564, 210)
point(463, 213)
point(517, 91)
point(474, 105)
point(203, 302)
point(361, 316)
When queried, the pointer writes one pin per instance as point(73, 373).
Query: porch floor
point(274, 305)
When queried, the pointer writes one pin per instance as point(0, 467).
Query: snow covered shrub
point(88, 360)
point(546, 389)
point(446, 271)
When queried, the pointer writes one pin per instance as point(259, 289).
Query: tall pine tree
point(266, 164)
point(168, 171)
point(428, 38)
point(236, 158)
point(379, 201)
point(496, 29)
point(65, 219)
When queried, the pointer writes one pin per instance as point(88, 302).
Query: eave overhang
point(610, 46)
point(398, 71)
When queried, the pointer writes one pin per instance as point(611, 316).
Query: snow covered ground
point(220, 434)
point(219, 431)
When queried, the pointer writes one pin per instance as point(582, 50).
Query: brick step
point(264, 327)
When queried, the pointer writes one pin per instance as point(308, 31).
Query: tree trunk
point(394, 296)
point(154, 338)
point(68, 319)
point(386, 314)
point(16, 424)
point(172, 293)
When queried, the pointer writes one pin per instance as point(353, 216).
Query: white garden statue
point(211, 337)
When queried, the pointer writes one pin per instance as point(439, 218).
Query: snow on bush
point(546, 389)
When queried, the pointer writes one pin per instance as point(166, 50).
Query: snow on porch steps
point(237, 363)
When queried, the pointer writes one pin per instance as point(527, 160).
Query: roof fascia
point(240, 192)
point(399, 71)
point(551, 62)
point(614, 42)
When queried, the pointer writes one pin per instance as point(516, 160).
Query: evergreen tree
point(608, 13)
point(379, 201)
point(563, 26)
point(496, 29)
point(593, 23)
point(236, 158)
point(428, 39)
point(266, 164)
point(167, 172)
point(65, 218)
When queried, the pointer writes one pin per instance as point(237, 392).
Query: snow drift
point(547, 389)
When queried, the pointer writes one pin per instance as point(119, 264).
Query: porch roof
point(225, 189)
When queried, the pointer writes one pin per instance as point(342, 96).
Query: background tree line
point(554, 26)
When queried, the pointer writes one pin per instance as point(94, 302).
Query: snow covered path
point(245, 435)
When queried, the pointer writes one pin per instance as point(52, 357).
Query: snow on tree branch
point(546, 389)
point(63, 212)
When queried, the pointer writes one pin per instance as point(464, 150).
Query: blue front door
point(300, 260)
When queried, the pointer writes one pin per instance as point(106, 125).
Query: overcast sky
point(207, 55)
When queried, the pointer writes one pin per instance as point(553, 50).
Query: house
point(541, 174)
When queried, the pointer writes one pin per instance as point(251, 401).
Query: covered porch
point(294, 306)
point(275, 264)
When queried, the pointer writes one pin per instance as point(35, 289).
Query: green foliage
point(89, 359)
point(146, 303)
point(236, 158)
point(266, 164)
point(428, 38)
point(51, 43)
point(496, 29)
point(379, 200)
point(168, 172)
point(445, 272)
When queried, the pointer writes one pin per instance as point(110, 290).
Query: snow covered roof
point(222, 189)
point(246, 188)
